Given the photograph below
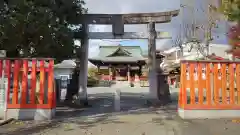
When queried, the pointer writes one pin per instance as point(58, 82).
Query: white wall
point(218, 49)
point(189, 54)
point(2, 53)
point(62, 71)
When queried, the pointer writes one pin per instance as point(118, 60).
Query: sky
point(143, 6)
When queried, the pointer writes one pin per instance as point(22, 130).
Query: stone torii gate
point(117, 21)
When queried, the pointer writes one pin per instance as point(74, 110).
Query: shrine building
point(119, 63)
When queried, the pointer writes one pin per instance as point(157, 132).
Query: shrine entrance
point(117, 21)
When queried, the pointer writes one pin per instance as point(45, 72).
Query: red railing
point(30, 83)
point(210, 84)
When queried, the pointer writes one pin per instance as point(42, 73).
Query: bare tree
point(186, 37)
point(178, 42)
point(188, 31)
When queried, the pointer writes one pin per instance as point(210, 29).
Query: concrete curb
point(4, 122)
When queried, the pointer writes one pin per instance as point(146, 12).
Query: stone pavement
point(138, 122)
point(142, 122)
point(135, 118)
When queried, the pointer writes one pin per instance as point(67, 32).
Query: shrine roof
point(119, 54)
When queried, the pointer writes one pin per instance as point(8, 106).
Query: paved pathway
point(135, 119)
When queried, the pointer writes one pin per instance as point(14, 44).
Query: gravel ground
point(135, 118)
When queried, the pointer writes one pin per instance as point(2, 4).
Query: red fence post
point(51, 92)
point(224, 84)
point(8, 74)
point(15, 81)
point(231, 84)
point(237, 82)
point(1, 67)
point(33, 82)
point(192, 88)
point(208, 84)
point(24, 83)
point(42, 82)
point(200, 84)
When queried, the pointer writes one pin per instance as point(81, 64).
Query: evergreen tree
point(231, 8)
point(39, 28)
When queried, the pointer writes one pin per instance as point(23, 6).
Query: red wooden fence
point(30, 83)
point(210, 84)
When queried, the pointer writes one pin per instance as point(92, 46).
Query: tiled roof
point(66, 64)
point(111, 54)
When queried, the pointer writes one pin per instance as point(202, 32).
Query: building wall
point(217, 49)
point(173, 53)
point(193, 54)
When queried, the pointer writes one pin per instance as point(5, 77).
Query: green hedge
point(92, 81)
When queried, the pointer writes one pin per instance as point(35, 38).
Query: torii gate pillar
point(83, 74)
point(152, 75)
